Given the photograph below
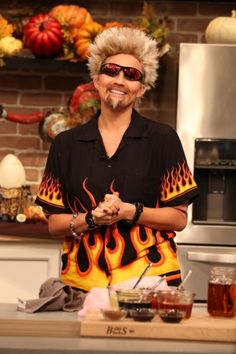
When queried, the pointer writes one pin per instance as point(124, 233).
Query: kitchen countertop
point(59, 332)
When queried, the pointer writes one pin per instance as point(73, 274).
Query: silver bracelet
point(72, 227)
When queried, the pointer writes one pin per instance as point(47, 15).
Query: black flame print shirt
point(149, 166)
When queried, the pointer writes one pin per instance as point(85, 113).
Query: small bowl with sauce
point(132, 299)
point(114, 314)
point(171, 315)
point(142, 314)
point(176, 300)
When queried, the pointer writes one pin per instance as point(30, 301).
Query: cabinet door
point(24, 267)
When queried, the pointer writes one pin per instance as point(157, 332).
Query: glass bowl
point(114, 314)
point(131, 299)
point(142, 314)
point(171, 315)
point(176, 300)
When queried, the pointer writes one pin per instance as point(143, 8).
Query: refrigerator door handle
point(212, 257)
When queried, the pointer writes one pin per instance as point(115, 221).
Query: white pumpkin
point(12, 172)
point(222, 30)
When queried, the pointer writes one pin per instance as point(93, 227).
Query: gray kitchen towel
point(54, 295)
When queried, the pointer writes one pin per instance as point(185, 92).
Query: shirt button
point(109, 166)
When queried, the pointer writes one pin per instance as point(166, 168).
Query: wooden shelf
point(32, 63)
point(38, 230)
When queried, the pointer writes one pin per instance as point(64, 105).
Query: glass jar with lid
point(222, 292)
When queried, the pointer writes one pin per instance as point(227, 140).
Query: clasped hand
point(109, 210)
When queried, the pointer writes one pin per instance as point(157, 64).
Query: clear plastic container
point(222, 292)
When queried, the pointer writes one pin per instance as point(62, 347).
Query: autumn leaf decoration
point(156, 27)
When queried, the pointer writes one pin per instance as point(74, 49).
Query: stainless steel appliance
point(206, 124)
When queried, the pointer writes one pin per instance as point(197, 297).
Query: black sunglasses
point(131, 74)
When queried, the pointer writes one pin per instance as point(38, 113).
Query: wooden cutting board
point(199, 327)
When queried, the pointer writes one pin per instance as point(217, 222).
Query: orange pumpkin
point(71, 16)
point(84, 36)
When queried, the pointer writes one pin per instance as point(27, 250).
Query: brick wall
point(25, 88)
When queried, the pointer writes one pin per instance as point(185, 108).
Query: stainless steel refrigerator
point(206, 124)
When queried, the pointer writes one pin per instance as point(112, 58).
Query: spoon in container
point(158, 283)
point(184, 280)
point(142, 275)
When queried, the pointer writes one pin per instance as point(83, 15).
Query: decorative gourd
point(6, 29)
point(10, 46)
point(222, 30)
point(71, 16)
point(53, 124)
point(84, 36)
point(43, 35)
point(84, 102)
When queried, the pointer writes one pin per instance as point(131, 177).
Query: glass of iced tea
point(222, 292)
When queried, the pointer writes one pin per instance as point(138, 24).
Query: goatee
point(114, 103)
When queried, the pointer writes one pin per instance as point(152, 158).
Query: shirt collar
point(136, 129)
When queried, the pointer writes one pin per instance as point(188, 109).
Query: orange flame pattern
point(90, 262)
point(50, 192)
point(93, 201)
point(105, 255)
point(177, 182)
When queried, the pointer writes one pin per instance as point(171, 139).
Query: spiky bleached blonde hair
point(125, 40)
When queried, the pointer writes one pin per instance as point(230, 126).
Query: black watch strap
point(90, 222)
point(138, 211)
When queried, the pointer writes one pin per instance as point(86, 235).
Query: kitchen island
point(62, 332)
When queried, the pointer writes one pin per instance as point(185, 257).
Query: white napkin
point(98, 298)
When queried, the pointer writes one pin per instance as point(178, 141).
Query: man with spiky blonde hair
point(118, 187)
point(125, 40)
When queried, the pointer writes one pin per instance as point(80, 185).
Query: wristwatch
point(90, 222)
point(138, 211)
